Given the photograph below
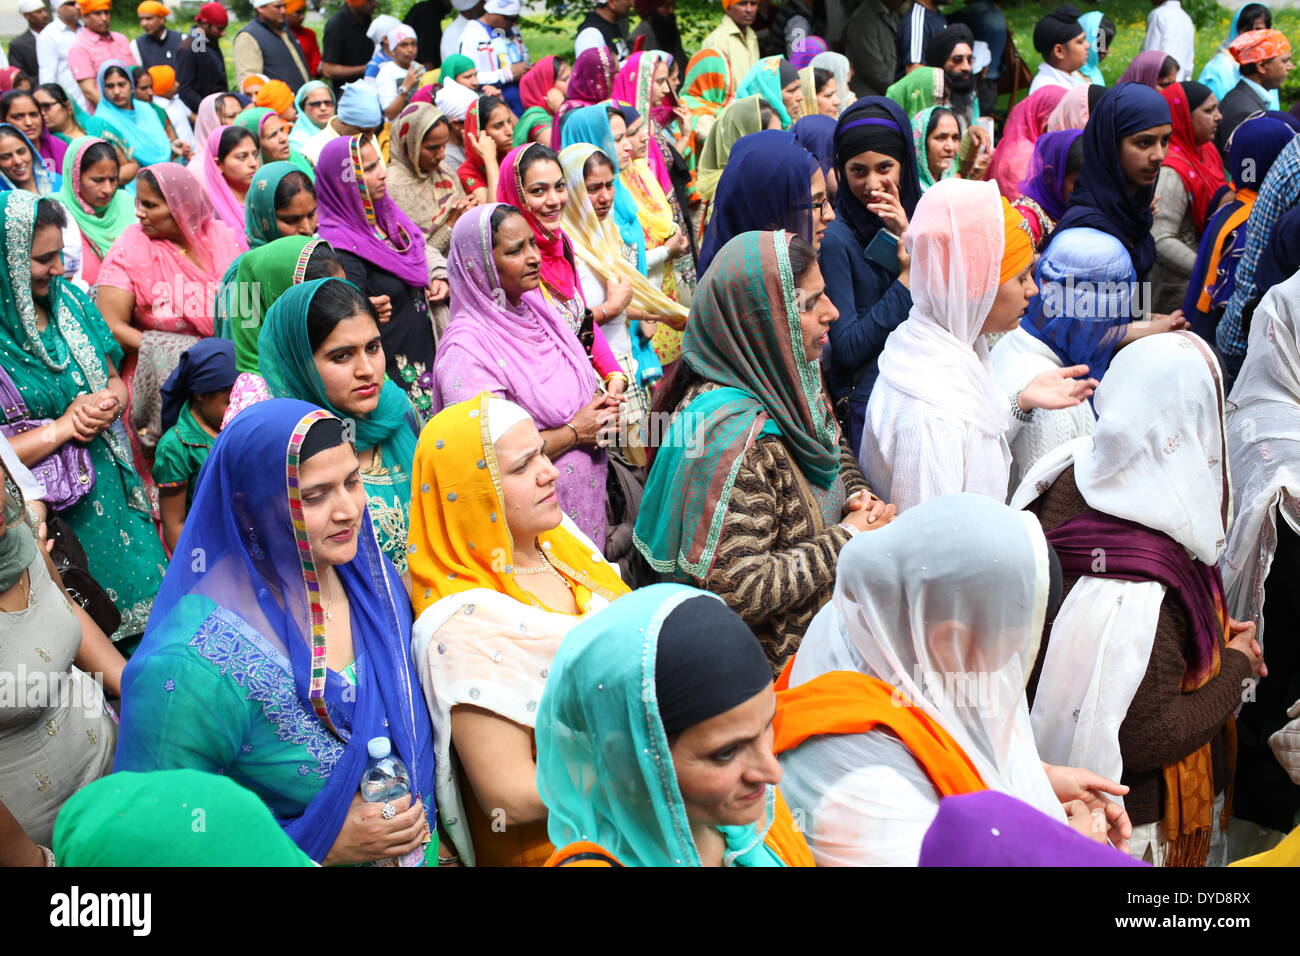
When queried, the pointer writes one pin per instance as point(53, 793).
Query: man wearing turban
point(1264, 57)
point(156, 45)
point(1062, 42)
point(734, 37)
point(96, 45)
point(295, 16)
point(200, 65)
point(52, 47)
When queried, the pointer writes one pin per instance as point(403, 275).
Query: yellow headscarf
point(808, 86)
point(458, 538)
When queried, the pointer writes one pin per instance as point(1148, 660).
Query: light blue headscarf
point(1091, 23)
point(1222, 73)
point(604, 766)
point(139, 126)
point(303, 127)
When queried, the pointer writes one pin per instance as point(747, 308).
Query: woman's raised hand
point(1057, 388)
point(592, 418)
point(618, 296)
point(383, 306)
point(367, 836)
point(886, 204)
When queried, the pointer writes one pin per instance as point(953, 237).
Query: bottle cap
point(379, 747)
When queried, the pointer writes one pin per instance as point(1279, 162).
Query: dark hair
point(765, 114)
point(137, 72)
point(119, 69)
point(149, 180)
point(821, 78)
point(936, 115)
point(1095, 92)
point(500, 215)
point(594, 162)
point(802, 256)
point(440, 121)
point(323, 263)
point(537, 154)
point(55, 90)
point(98, 153)
point(291, 184)
point(1169, 66)
point(1249, 69)
point(49, 213)
point(9, 129)
point(486, 106)
point(10, 97)
point(333, 302)
point(1251, 12)
point(1074, 157)
point(231, 137)
point(1107, 29)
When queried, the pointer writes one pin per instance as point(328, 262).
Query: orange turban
point(164, 80)
point(252, 80)
point(1018, 247)
point(93, 6)
point(293, 6)
point(275, 96)
point(1259, 45)
point(356, 3)
point(151, 8)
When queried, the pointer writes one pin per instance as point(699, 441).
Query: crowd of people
point(789, 452)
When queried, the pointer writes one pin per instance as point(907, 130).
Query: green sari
point(260, 277)
point(252, 121)
point(50, 367)
point(99, 227)
point(739, 118)
point(920, 89)
point(744, 335)
point(392, 429)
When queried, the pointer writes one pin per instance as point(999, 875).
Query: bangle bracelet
point(577, 439)
point(48, 854)
point(613, 375)
point(1017, 412)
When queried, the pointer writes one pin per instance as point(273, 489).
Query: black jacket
point(200, 71)
point(1238, 103)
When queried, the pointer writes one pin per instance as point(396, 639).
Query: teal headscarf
point(604, 766)
point(744, 335)
point(139, 126)
point(285, 360)
point(253, 120)
point(259, 205)
point(920, 133)
point(303, 127)
point(1091, 23)
point(764, 79)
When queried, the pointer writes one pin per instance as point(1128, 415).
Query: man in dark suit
point(1265, 59)
point(22, 52)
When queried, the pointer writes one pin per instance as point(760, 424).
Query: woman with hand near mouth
point(292, 589)
point(680, 773)
point(507, 339)
point(752, 494)
point(320, 342)
point(938, 421)
point(499, 576)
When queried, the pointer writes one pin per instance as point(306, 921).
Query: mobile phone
point(883, 250)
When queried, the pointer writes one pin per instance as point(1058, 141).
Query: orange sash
point(1247, 198)
point(847, 702)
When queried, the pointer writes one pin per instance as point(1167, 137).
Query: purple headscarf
point(374, 229)
point(1045, 183)
point(1145, 68)
point(810, 47)
point(526, 354)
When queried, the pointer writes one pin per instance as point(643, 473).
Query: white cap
point(504, 8)
point(399, 33)
point(463, 5)
point(380, 26)
point(378, 747)
point(259, 4)
point(454, 100)
point(30, 6)
point(588, 39)
point(503, 416)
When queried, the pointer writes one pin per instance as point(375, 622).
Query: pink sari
point(227, 206)
point(1071, 112)
point(1026, 122)
point(632, 87)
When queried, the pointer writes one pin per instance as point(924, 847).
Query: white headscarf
point(956, 586)
point(379, 27)
point(955, 238)
point(1264, 449)
point(588, 39)
point(454, 100)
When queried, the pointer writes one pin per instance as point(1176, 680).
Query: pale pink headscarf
point(224, 201)
point(207, 119)
point(1026, 122)
point(1071, 112)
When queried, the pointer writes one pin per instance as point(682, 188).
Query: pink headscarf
point(558, 269)
point(1071, 112)
point(1145, 68)
point(1026, 122)
point(207, 119)
point(632, 87)
point(224, 201)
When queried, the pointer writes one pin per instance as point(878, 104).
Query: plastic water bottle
point(385, 780)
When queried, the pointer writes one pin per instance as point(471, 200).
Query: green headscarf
point(252, 120)
point(454, 66)
point(101, 226)
point(921, 88)
point(285, 360)
point(257, 280)
point(604, 764)
point(743, 334)
point(170, 818)
point(920, 133)
point(533, 117)
point(259, 204)
point(764, 79)
point(18, 546)
point(739, 118)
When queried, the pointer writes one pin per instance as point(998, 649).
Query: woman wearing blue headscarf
point(24, 168)
point(1252, 149)
point(862, 257)
point(1222, 73)
point(133, 120)
point(1100, 32)
point(792, 197)
point(628, 771)
point(282, 650)
point(817, 135)
point(604, 127)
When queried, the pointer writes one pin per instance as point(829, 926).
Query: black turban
point(1060, 26)
point(940, 46)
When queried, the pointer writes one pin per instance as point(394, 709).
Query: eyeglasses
point(822, 204)
point(317, 104)
point(45, 106)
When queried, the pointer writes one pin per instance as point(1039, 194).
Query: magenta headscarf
point(590, 83)
point(1145, 68)
point(1026, 122)
point(374, 229)
point(810, 48)
point(632, 88)
point(558, 270)
point(224, 201)
point(546, 366)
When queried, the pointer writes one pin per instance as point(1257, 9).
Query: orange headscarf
point(152, 8)
point(93, 6)
point(1258, 45)
point(1018, 247)
point(164, 80)
point(275, 96)
point(293, 6)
